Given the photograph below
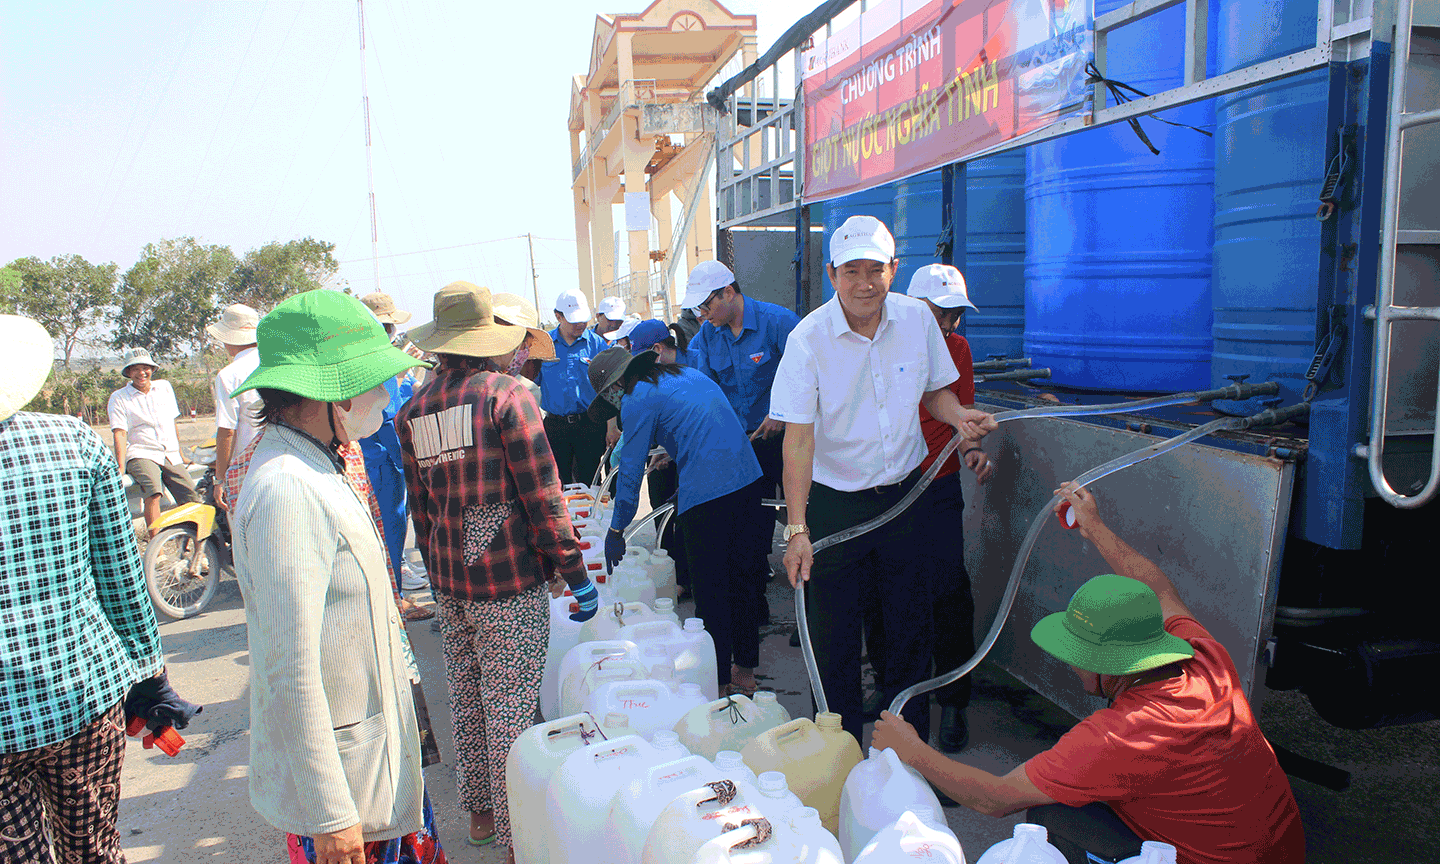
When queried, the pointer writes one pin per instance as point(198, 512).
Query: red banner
point(913, 85)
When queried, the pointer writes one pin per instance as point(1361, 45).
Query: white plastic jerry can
point(650, 704)
point(1153, 852)
point(640, 801)
point(564, 635)
point(920, 835)
point(1029, 845)
point(532, 760)
point(665, 608)
point(577, 800)
point(611, 617)
point(876, 792)
point(729, 723)
point(631, 584)
point(696, 817)
point(662, 573)
point(775, 795)
point(690, 648)
point(580, 657)
point(796, 837)
point(732, 767)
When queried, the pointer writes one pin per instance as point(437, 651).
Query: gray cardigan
point(333, 738)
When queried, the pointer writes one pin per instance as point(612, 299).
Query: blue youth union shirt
point(690, 417)
point(745, 366)
point(565, 381)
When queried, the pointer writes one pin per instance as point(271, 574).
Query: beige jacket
point(333, 738)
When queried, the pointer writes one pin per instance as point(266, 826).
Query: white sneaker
point(412, 581)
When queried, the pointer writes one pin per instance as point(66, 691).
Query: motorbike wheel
point(168, 556)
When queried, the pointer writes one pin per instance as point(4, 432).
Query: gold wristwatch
point(792, 530)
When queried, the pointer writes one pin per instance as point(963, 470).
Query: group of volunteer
point(842, 410)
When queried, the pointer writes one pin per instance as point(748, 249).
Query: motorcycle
point(189, 548)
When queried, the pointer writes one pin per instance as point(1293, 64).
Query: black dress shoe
point(954, 731)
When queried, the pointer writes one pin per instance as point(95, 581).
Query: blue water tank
point(994, 239)
point(1269, 166)
point(918, 220)
point(1117, 260)
point(878, 202)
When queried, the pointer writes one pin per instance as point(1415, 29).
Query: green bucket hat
point(1113, 626)
point(325, 346)
point(607, 369)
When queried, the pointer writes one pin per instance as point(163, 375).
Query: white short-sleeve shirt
point(863, 395)
point(237, 412)
point(148, 421)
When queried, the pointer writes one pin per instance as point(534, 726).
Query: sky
point(241, 123)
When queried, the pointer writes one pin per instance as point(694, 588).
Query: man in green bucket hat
point(1176, 757)
point(331, 705)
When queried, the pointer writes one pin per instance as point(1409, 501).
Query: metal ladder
point(1385, 313)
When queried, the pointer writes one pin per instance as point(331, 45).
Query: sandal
point(484, 841)
point(419, 613)
point(738, 687)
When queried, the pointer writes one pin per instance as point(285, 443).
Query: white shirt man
point(234, 415)
point(849, 387)
point(142, 421)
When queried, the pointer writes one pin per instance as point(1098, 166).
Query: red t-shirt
point(1183, 762)
point(937, 433)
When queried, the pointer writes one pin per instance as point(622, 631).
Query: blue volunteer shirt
point(565, 381)
point(745, 366)
point(689, 416)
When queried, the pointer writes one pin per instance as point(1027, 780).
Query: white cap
point(624, 329)
point(573, 306)
point(942, 285)
point(707, 278)
point(862, 237)
point(611, 307)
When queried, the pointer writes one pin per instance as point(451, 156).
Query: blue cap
point(646, 334)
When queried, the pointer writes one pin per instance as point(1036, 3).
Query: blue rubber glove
point(589, 600)
point(614, 549)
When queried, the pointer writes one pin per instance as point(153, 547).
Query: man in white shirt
point(234, 415)
point(849, 387)
point(142, 419)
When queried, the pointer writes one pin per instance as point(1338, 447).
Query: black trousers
point(578, 443)
point(769, 453)
point(720, 579)
point(954, 606)
point(880, 576)
point(1093, 828)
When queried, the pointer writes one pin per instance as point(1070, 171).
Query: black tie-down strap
point(1120, 93)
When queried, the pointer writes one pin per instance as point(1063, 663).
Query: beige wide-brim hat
point(465, 324)
point(28, 355)
point(383, 305)
point(236, 325)
point(514, 309)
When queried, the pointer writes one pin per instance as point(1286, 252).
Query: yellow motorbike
point(189, 548)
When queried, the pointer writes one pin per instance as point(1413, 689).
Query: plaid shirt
point(76, 625)
point(484, 491)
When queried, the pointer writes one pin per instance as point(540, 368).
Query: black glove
point(159, 705)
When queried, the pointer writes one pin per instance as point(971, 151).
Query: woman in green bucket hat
point(334, 740)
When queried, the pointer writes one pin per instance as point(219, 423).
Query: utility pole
point(534, 277)
point(369, 163)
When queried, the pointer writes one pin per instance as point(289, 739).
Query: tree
point(171, 294)
point(276, 270)
point(68, 295)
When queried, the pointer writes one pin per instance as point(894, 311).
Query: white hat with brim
point(135, 357)
point(862, 237)
point(573, 307)
point(707, 278)
point(942, 285)
point(465, 325)
point(514, 309)
point(236, 325)
point(30, 353)
point(611, 307)
point(624, 330)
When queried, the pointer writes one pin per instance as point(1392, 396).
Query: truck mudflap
point(1214, 520)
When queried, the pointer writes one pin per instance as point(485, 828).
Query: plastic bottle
point(662, 573)
point(630, 584)
point(733, 767)
point(577, 800)
point(531, 762)
point(690, 648)
point(1153, 852)
point(794, 838)
point(650, 704)
point(637, 555)
point(775, 795)
point(640, 801)
point(667, 742)
point(611, 617)
point(1028, 846)
point(665, 608)
point(919, 835)
point(876, 792)
point(570, 676)
point(731, 722)
point(814, 757)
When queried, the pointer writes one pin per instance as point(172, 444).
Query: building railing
point(630, 94)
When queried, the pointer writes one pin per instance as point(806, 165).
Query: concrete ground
point(196, 807)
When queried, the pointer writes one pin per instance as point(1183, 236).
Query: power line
point(440, 248)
